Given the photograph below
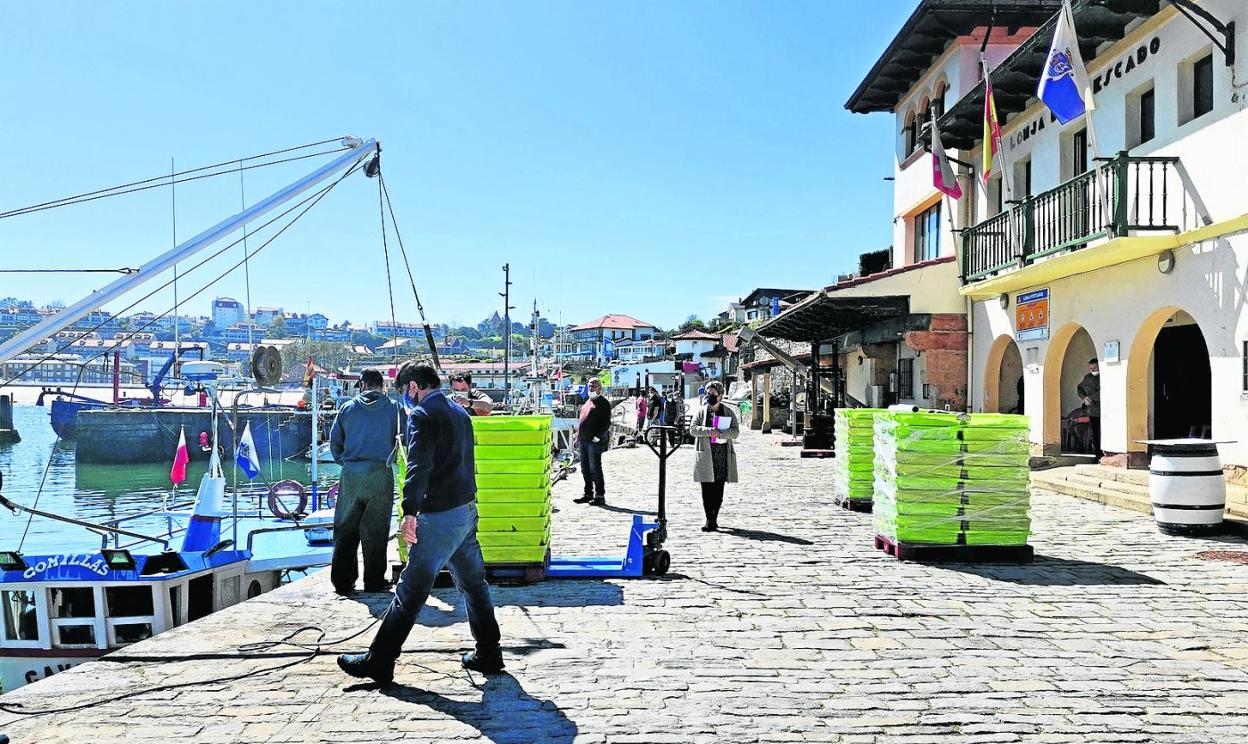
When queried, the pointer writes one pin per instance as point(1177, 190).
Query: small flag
point(1064, 85)
point(309, 373)
point(943, 177)
point(992, 129)
point(246, 454)
point(180, 458)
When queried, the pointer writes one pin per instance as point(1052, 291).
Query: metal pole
point(316, 420)
point(506, 295)
point(188, 248)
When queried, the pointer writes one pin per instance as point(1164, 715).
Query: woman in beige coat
point(716, 460)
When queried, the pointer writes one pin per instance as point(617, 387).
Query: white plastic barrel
point(1186, 486)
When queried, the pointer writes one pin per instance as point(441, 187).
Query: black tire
point(662, 561)
point(647, 564)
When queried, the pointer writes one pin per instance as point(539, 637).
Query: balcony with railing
point(1121, 196)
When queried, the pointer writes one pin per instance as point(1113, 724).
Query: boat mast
point(75, 312)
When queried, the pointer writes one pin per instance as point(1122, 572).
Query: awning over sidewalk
point(824, 316)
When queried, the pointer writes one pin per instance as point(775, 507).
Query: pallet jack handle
point(657, 438)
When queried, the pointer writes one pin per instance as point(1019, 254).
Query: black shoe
point(364, 666)
point(707, 527)
point(382, 588)
point(599, 501)
point(583, 500)
point(344, 592)
point(492, 664)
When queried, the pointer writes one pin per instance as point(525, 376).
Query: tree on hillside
point(692, 323)
point(277, 329)
point(325, 354)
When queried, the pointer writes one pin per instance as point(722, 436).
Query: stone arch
point(1002, 355)
point(1140, 402)
point(1060, 344)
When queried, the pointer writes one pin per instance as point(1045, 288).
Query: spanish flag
point(992, 128)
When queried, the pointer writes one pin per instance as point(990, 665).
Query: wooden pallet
point(929, 553)
point(856, 505)
point(499, 573)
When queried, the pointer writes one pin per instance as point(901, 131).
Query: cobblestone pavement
point(786, 627)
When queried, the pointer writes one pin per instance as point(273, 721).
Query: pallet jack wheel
point(661, 562)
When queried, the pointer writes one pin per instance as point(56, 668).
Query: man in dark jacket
point(592, 431)
point(362, 440)
point(440, 527)
point(1089, 390)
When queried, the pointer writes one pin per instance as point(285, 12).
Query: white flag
point(1064, 84)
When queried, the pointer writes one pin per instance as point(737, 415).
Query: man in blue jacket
point(362, 441)
point(439, 525)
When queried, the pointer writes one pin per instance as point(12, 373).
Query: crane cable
point(433, 348)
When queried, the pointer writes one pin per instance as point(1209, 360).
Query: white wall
point(1112, 304)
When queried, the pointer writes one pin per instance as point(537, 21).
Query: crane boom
point(749, 335)
point(75, 312)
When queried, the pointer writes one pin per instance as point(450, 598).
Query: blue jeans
point(591, 468)
point(447, 538)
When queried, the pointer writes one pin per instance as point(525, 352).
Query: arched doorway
point(1003, 377)
point(1169, 386)
point(1065, 366)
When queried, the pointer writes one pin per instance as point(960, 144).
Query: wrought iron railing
point(1119, 196)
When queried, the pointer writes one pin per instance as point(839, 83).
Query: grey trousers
point(362, 519)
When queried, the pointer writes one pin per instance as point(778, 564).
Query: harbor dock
point(787, 626)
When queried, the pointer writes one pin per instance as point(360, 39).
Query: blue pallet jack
point(645, 555)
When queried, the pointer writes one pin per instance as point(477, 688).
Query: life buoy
point(282, 493)
point(331, 496)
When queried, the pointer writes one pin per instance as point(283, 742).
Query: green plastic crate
point(527, 554)
point(514, 466)
point(513, 495)
point(494, 481)
point(512, 524)
point(514, 539)
point(506, 437)
point(494, 509)
point(511, 452)
point(511, 423)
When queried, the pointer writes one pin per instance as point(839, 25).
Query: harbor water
point(42, 471)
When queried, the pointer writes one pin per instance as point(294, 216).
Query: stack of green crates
point(513, 487)
point(853, 469)
point(952, 479)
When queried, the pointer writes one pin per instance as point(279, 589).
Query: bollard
point(8, 434)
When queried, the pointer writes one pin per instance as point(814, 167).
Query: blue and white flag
point(1064, 84)
point(245, 456)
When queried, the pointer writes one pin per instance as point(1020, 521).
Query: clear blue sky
point(626, 157)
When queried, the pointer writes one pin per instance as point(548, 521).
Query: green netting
point(511, 423)
point(514, 466)
point(949, 479)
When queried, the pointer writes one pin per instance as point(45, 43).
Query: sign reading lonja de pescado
point(1031, 315)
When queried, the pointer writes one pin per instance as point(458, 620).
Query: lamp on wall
point(1004, 299)
point(1165, 262)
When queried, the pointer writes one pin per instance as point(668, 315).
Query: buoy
point(204, 444)
point(283, 492)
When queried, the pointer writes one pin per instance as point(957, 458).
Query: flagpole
point(1005, 179)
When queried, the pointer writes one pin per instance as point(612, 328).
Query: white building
point(1133, 254)
point(226, 311)
point(596, 340)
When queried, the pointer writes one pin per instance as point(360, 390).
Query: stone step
point(1235, 493)
point(1080, 486)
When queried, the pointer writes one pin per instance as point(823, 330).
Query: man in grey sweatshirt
point(363, 441)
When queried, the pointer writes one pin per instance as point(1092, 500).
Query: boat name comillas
point(97, 566)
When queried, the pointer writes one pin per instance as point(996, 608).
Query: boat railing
point(112, 525)
point(251, 536)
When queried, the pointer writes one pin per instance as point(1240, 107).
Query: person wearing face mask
point(592, 429)
point(713, 427)
point(440, 527)
point(1089, 390)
